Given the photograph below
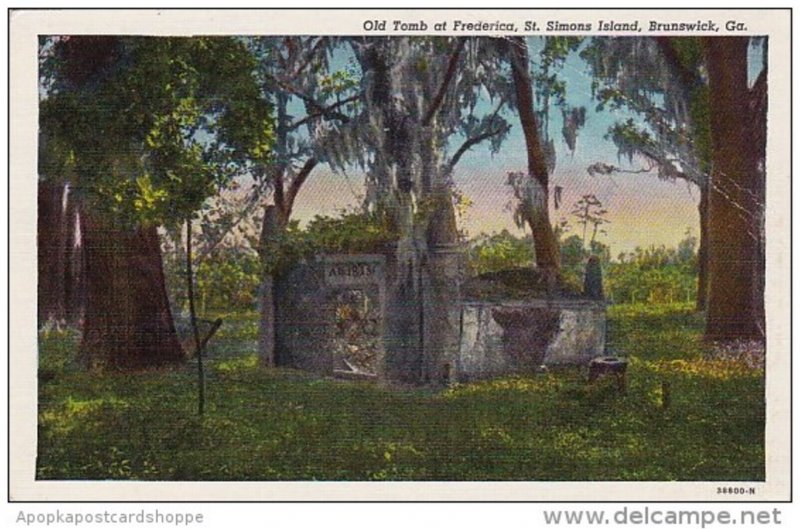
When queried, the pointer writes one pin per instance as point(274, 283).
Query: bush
point(652, 275)
point(497, 252)
point(228, 279)
point(351, 232)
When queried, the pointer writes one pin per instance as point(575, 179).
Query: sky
point(643, 210)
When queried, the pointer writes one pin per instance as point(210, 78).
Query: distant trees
point(661, 81)
point(499, 251)
point(657, 274)
point(227, 280)
point(654, 275)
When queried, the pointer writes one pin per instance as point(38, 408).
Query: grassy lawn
point(288, 425)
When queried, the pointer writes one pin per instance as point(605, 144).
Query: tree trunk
point(128, 323)
point(271, 227)
point(734, 234)
point(758, 154)
point(198, 345)
point(397, 176)
point(74, 266)
point(702, 251)
point(60, 256)
point(51, 245)
point(537, 215)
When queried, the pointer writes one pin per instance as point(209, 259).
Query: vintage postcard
point(498, 255)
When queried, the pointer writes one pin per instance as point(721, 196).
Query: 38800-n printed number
point(736, 490)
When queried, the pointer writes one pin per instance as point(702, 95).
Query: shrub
point(351, 232)
point(228, 279)
point(652, 275)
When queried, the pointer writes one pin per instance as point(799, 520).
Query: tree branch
point(652, 160)
point(309, 57)
point(326, 112)
point(277, 186)
point(471, 142)
point(448, 78)
point(497, 109)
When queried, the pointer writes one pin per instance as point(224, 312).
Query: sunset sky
point(643, 210)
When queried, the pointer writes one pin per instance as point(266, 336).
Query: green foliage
point(499, 251)
point(228, 280)
point(654, 275)
point(630, 138)
point(149, 127)
point(57, 352)
point(287, 425)
point(339, 82)
point(689, 51)
point(556, 50)
point(350, 232)
point(653, 331)
point(575, 255)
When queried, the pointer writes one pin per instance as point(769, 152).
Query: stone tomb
point(504, 337)
point(373, 316)
point(329, 315)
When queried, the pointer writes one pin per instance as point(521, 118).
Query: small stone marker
point(593, 280)
point(609, 365)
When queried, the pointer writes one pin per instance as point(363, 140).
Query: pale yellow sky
point(643, 210)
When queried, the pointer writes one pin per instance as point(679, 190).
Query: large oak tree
point(145, 129)
point(703, 121)
point(736, 194)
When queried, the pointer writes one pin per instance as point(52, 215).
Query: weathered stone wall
point(500, 338)
point(402, 340)
point(419, 330)
point(442, 313)
point(305, 308)
point(303, 323)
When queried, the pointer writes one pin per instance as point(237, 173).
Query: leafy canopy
point(146, 128)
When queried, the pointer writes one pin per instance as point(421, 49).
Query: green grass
point(288, 425)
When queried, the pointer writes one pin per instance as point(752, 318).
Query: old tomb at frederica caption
point(417, 320)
